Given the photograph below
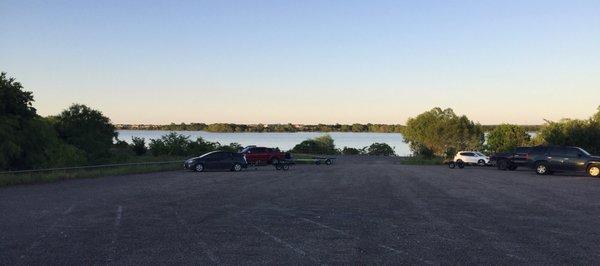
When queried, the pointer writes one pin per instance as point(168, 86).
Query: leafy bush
point(138, 146)
point(232, 147)
point(319, 145)
point(170, 144)
point(201, 146)
point(181, 145)
point(380, 149)
point(572, 132)
point(352, 151)
point(506, 137)
point(442, 132)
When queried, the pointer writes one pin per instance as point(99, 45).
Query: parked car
point(217, 160)
point(511, 160)
point(471, 158)
point(263, 155)
point(549, 159)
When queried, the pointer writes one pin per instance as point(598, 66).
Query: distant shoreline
point(283, 128)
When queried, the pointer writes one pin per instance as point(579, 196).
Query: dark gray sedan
point(217, 160)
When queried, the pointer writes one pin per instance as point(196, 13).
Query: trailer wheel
point(278, 167)
point(285, 167)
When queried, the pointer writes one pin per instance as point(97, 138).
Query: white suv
point(471, 157)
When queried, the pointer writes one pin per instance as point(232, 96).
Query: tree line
point(291, 128)
point(231, 128)
point(441, 133)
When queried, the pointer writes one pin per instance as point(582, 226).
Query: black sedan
point(217, 160)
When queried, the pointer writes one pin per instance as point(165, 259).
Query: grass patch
point(53, 176)
point(421, 161)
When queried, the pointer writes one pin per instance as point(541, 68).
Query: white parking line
point(286, 244)
point(119, 215)
point(357, 238)
point(112, 250)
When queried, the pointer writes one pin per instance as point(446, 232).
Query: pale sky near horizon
point(306, 61)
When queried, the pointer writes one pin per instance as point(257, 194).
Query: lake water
point(284, 141)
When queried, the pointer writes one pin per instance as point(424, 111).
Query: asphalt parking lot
point(360, 210)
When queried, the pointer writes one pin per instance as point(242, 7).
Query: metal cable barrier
point(88, 167)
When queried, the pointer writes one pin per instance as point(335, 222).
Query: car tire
point(451, 165)
point(593, 170)
point(199, 167)
point(328, 162)
point(237, 167)
point(278, 167)
point(460, 164)
point(502, 165)
point(481, 162)
point(512, 167)
point(542, 168)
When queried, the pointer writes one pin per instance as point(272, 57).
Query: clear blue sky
point(306, 61)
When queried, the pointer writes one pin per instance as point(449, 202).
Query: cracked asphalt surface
point(361, 210)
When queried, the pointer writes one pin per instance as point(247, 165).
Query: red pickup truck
point(262, 155)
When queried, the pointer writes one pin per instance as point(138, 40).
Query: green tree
point(506, 137)
point(380, 149)
point(596, 117)
point(26, 139)
point(138, 146)
point(572, 132)
point(86, 129)
point(442, 133)
point(359, 128)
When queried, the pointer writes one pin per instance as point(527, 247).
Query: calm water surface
point(284, 141)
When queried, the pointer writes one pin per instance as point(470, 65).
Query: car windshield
point(584, 151)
